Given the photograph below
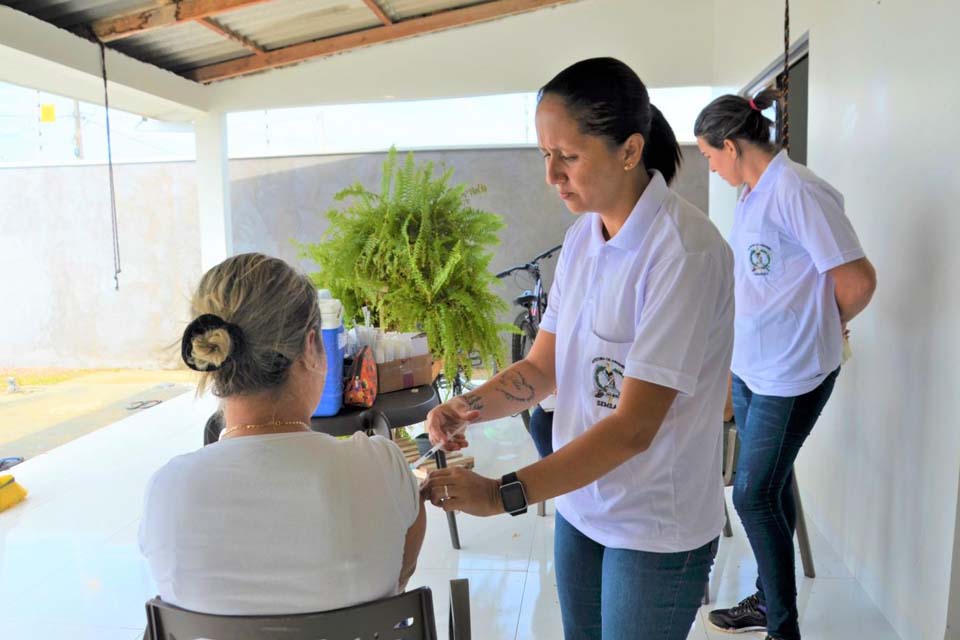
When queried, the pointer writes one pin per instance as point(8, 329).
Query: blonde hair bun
point(211, 349)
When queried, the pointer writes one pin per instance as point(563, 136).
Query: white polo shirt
point(787, 233)
point(654, 303)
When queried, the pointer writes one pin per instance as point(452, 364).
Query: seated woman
point(275, 518)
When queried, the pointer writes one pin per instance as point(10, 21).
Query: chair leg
point(441, 459)
point(727, 529)
point(459, 620)
point(454, 534)
point(803, 538)
point(542, 509)
point(706, 592)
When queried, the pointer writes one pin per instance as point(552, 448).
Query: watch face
point(513, 497)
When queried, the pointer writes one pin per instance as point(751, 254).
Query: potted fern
point(416, 254)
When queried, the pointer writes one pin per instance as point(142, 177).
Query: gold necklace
point(285, 423)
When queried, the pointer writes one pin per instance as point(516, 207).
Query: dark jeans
point(541, 430)
point(771, 431)
point(621, 594)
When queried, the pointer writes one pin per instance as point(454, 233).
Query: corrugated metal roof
point(271, 25)
point(285, 22)
point(405, 9)
point(184, 46)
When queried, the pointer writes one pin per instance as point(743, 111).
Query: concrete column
point(213, 189)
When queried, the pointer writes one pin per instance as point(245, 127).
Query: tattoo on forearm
point(515, 387)
point(474, 401)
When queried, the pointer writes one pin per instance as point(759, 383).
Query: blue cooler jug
point(331, 330)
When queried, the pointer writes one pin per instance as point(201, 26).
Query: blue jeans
point(771, 431)
point(621, 594)
point(541, 430)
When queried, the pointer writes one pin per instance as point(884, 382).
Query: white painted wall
point(880, 471)
point(60, 307)
point(667, 43)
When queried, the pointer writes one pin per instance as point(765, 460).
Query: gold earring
point(627, 167)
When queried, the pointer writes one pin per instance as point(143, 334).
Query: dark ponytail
point(608, 100)
point(661, 151)
point(737, 119)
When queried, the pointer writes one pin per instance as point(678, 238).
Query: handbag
point(360, 383)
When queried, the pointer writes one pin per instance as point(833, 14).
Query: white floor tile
point(831, 609)
point(499, 543)
point(541, 555)
point(540, 613)
point(13, 630)
point(495, 598)
point(99, 590)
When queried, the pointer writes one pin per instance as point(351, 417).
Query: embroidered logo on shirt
point(607, 380)
point(760, 258)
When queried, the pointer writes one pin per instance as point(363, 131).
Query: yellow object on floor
point(11, 493)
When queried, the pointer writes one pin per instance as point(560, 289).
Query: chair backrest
point(408, 616)
point(374, 423)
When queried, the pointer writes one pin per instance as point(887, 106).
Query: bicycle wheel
point(521, 343)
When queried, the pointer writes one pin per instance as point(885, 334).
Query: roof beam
point(216, 27)
point(388, 33)
point(165, 15)
point(378, 11)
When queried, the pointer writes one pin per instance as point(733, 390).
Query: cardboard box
point(404, 373)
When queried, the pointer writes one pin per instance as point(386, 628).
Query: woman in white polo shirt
point(636, 341)
point(801, 275)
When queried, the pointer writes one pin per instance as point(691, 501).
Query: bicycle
point(534, 303)
point(459, 385)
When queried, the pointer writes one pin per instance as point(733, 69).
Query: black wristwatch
point(513, 495)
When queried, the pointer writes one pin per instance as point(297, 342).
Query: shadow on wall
point(274, 200)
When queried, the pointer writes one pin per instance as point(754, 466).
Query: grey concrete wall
point(56, 257)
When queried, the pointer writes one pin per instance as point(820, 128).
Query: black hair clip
point(202, 324)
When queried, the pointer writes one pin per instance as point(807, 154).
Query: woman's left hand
point(459, 489)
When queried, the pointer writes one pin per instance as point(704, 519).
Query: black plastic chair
point(408, 616)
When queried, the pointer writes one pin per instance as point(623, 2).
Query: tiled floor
point(70, 568)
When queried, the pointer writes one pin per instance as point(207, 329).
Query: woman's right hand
point(445, 421)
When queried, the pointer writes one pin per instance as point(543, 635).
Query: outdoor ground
point(45, 408)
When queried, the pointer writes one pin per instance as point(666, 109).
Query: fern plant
point(417, 255)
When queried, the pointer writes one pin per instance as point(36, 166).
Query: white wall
point(667, 43)
point(56, 256)
point(880, 471)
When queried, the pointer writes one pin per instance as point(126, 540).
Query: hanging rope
point(785, 131)
point(113, 192)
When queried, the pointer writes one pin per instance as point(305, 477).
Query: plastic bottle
point(331, 330)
